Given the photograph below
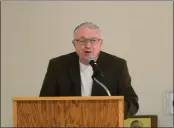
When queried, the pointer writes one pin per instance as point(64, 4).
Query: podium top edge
point(69, 98)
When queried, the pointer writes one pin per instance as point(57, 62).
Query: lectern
point(92, 111)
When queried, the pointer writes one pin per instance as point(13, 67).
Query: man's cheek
point(95, 52)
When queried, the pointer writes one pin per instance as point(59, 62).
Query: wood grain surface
point(69, 98)
point(68, 113)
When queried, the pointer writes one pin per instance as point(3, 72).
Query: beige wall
point(140, 32)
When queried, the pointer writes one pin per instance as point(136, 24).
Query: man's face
point(87, 43)
point(137, 125)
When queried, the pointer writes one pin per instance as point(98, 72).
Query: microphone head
point(90, 59)
point(96, 69)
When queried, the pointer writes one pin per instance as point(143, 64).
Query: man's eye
point(93, 40)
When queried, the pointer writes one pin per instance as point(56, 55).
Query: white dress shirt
point(86, 72)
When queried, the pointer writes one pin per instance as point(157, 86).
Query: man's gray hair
point(87, 25)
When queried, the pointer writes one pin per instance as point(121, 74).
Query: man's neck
point(85, 62)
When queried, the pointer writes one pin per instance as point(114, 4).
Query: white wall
point(140, 32)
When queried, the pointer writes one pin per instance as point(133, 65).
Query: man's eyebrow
point(82, 37)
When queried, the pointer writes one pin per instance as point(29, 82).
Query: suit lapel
point(97, 90)
point(75, 75)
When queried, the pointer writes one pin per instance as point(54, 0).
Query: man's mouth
point(87, 52)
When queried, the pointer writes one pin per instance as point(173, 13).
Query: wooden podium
point(94, 111)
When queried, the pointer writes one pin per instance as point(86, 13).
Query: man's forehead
point(87, 33)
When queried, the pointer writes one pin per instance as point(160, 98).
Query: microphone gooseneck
point(105, 88)
point(98, 73)
point(96, 69)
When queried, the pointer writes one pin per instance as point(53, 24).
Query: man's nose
point(88, 44)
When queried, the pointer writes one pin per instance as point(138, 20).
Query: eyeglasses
point(85, 41)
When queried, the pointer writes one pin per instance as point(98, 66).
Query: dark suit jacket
point(63, 79)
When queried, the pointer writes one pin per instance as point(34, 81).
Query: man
point(70, 74)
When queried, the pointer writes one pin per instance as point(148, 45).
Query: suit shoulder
point(63, 58)
point(113, 57)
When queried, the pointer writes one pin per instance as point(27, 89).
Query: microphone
point(96, 69)
point(98, 72)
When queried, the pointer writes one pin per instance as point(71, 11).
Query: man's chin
point(85, 60)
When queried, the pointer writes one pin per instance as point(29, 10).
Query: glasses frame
point(84, 41)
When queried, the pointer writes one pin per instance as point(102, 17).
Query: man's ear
point(73, 43)
point(101, 42)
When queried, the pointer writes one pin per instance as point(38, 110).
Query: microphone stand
point(104, 87)
point(101, 84)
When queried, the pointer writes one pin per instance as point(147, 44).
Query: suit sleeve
point(49, 86)
point(131, 105)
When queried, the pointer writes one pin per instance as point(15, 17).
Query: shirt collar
point(84, 67)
